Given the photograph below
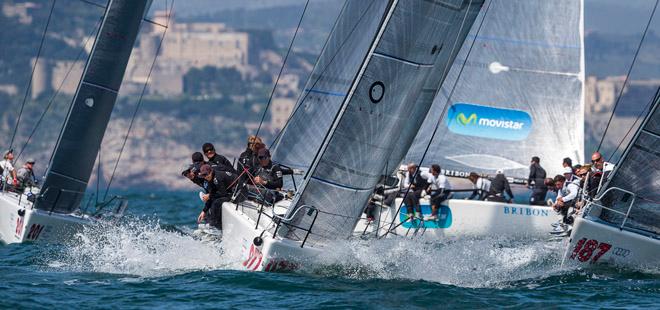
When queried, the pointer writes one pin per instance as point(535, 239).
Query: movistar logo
point(488, 122)
point(466, 120)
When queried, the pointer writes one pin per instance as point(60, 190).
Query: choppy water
point(148, 262)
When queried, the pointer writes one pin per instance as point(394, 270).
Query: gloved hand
point(15, 182)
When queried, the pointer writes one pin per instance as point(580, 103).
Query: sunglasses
point(596, 160)
point(209, 151)
point(263, 157)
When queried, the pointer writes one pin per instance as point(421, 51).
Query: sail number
point(585, 249)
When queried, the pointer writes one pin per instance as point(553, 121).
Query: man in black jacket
point(218, 185)
point(268, 178)
point(216, 160)
point(192, 173)
point(498, 187)
point(536, 182)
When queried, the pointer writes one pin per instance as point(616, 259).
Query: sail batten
point(78, 144)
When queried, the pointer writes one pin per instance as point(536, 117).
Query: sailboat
point(55, 211)
point(621, 226)
point(515, 91)
point(376, 65)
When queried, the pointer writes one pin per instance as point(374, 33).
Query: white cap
point(568, 170)
point(499, 171)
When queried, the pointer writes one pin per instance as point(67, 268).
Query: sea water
point(150, 260)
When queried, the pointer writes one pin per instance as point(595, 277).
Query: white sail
point(519, 93)
point(414, 39)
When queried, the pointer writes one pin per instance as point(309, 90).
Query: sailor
point(268, 179)
point(536, 182)
point(192, 172)
point(417, 183)
point(439, 188)
point(480, 185)
point(567, 195)
point(217, 161)
point(25, 176)
point(248, 160)
point(498, 187)
point(600, 169)
point(567, 162)
point(568, 174)
point(218, 187)
point(7, 167)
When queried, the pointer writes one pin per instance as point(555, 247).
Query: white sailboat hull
point(458, 217)
point(19, 222)
point(595, 243)
point(273, 254)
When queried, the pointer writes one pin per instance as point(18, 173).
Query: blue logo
point(444, 218)
point(488, 122)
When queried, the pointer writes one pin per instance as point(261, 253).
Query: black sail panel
point(77, 147)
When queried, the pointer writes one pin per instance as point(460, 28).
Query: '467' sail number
point(585, 249)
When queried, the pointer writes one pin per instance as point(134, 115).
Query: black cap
point(207, 147)
point(197, 157)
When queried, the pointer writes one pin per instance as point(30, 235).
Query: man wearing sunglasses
point(216, 160)
point(600, 169)
point(268, 179)
point(218, 186)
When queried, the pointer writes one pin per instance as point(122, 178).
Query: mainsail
point(637, 172)
point(405, 50)
point(75, 153)
point(515, 91)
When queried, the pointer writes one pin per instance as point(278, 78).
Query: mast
point(77, 147)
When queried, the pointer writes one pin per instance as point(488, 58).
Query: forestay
point(519, 94)
point(79, 142)
point(637, 172)
point(374, 111)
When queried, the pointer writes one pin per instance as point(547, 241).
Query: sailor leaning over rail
point(499, 186)
point(192, 172)
point(567, 195)
point(216, 160)
point(218, 185)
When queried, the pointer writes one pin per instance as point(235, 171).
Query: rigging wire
point(59, 88)
point(444, 109)
point(139, 103)
point(272, 92)
point(304, 93)
point(34, 67)
point(625, 82)
point(637, 119)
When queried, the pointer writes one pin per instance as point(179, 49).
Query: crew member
point(417, 183)
point(217, 161)
point(268, 178)
point(218, 185)
point(567, 195)
point(25, 176)
point(7, 166)
point(480, 185)
point(439, 189)
point(536, 182)
point(498, 187)
point(192, 172)
point(248, 160)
